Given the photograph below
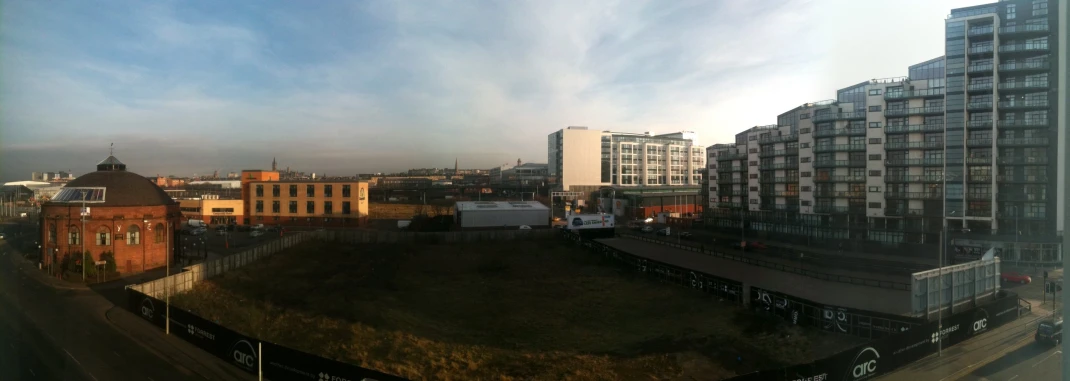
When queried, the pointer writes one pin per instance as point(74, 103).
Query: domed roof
point(120, 188)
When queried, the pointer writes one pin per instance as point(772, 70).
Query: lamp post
point(167, 291)
point(148, 228)
point(82, 253)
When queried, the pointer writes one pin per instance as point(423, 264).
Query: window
point(1011, 12)
point(753, 150)
point(161, 233)
point(259, 190)
point(1040, 8)
point(328, 190)
point(804, 145)
point(345, 207)
point(753, 189)
point(259, 206)
point(804, 202)
point(103, 237)
point(874, 189)
point(804, 115)
point(874, 140)
point(804, 130)
point(293, 190)
point(310, 207)
point(275, 191)
point(874, 205)
point(51, 233)
point(876, 108)
point(806, 188)
point(805, 174)
point(133, 235)
point(804, 159)
point(754, 175)
point(72, 235)
point(874, 124)
point(346, 191)
point(875, 92)
point(293, 206)
point(328, 207)
point(876, 157)
point(753, 137)
point(753, 201)
point(275, 207)
point(875, 173)
point(310, 190)
point(753, 163)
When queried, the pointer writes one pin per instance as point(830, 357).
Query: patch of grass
point(495, 311)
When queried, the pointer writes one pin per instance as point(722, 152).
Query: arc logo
point(244, 354)
point(980, 322)
point(147, 309)
point(864, 365)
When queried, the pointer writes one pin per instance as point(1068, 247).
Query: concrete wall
point(581, 158)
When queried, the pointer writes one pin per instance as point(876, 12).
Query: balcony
point(779, 152)
point(783, 193)
point(979, 179)
point(978, 213)
point(774, 166)
point(829, 209)
point(1036, 29)
point(902, 212)
point(839, 116)
point(914, 162)
point(907, 94)
point(779, 139)
point(1023, 160)
point(730, 205)
point(1024, 85)
point(733, 156)
point(732, 168)
point(1023, 48)
point(981, 31)
point(978, 196)
point(840, 179)
point(1025, 66)
point(983, 68)
point(979, 105)
point(1022, 197)
point(914, 111)
point(779, 180)
point(985, 50)
point(732, 193)
point(984, 124)
point(913, 179)
point(1022, 179)
point(913, 145)
point(1022, 142)
point(839, 148)
point(1023, 123)
point(984, 142)
point(839, 163)
point(979, 160)
point(903, 129)
point(841, 132)
point(914, 195)
point(978, 87)
point(1023, 104)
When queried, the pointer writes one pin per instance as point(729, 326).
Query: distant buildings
point(522, 174)
point(269, 200)
point(51, 177)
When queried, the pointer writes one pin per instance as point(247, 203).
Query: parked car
point(525, 227)
point(685, 235)
point(1015, 277)
point(198, 231)
point(256, 233)
point(1050, 331)
point(665, 232)
point(1, 235)
point(648, 229)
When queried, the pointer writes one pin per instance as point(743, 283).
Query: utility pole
point(167, 291)
point(83, 235)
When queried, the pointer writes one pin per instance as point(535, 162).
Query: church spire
point(274, 165)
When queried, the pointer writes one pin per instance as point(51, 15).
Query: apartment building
point(314, 203)
point(586, 160)
point(968, 139)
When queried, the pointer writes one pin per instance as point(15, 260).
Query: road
point(53, 334)
point(1031, 362)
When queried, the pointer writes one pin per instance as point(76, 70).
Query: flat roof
point(309, 181)
point(500, 205)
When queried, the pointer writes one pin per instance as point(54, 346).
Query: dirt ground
point(496, 311)
point(406, 211)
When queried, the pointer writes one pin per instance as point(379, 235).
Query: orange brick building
point(304, 203)
point(128, 215)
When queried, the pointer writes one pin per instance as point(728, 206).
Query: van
point(1050, 331)
point(196, 224)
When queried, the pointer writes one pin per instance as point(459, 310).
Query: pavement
point(53, 329)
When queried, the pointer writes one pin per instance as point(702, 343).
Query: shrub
point(108, 256)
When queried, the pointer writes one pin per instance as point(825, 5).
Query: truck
point(1050, 331)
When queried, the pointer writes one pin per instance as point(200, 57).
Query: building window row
point(310, 190)
point(310, 207)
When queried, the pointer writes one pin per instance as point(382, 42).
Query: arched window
point(51, 233)
point(103, 236)
point(160, 233)
point(72, 235)
point(133, 235)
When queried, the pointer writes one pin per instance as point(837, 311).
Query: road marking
point(79, 364)
point(1046, 358)
point(1012, 378)
point(116, 354)
point(32, 373)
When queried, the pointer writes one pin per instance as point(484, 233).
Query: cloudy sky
point(342, 87)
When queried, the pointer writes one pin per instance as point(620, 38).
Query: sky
point(345, 87)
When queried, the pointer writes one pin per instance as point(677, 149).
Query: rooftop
point(499, 205)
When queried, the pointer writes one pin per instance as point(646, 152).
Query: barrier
point(247, 353)
point(373, 236)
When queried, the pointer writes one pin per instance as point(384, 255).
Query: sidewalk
point(961, 359)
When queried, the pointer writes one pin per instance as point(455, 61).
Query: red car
point(1011, 276)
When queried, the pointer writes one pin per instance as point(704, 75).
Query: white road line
point(1012, 378)
point(1046, 358)
point(116, 354)
point(79, 364)
point(32, 373)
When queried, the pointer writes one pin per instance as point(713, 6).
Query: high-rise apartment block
point(585, 160)
point(973, 139)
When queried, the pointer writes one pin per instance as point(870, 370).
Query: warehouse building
point(500, 214)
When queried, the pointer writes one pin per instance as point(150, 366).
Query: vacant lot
point(495, 311)
point(406, 211)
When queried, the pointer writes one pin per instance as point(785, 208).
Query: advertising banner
point(831, 318)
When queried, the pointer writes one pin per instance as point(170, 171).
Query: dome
point(112, 185)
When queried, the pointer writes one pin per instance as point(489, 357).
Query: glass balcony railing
point(1023, 142)
point(839, 116)
point(900, 212)
point(774, 166)
point(914, 162)
point(1022, 178)
point(1025, 66)
point(986, 86)
point(779, 152)
point(840, 132)
point(732, 156)
point(902, 129)
point(1023, 123)
point(840, 179)
point(979, 160)
point(983, 142)
point(1027, 85)
point(1024, 104)
point(907, 94)
point(839, 147)
point(1023, 29)
point(1023, 160)
point(915, 111)
point(914, 195)
point(979, 178)
point(983, 68)
point(839, 163)
point(981, 31)
point(979, 105)
point(1023, 48)
point(829, 209)
point(986, 49)
point(979, 124)
point(779, 139)
point(913, 178)
point(914, 145)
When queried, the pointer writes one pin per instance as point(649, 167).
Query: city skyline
point(386, 87)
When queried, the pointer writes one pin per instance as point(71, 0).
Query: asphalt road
point(51, 334)
point(1032, 362)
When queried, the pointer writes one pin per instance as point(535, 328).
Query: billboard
point(619, 205)
point(590, 221)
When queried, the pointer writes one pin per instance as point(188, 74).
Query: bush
point(108, 256)
point(90, 267)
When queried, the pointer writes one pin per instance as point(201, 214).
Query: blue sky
point(342, 87)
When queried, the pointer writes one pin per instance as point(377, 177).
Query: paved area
point(821, 291)
point(70, 331)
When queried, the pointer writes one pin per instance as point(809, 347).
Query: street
point(1034, 361)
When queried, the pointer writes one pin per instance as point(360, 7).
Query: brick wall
point(148, 252)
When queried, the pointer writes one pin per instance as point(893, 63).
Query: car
point(221, 232)
point(685, 235)
point(1, 235)
point(256, 233)
point(665, 232)
point(525, 227)
point(648, 229)
point(1050, 331)
point(1015, 277)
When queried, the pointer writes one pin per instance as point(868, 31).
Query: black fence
point(751, 260)
point(248, 353)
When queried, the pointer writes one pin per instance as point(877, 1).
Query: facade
point(52, 176)
point(213, 210)
point(585, 160)
point(167, 182)
point(520, 174)
point(969, 139)
point(270, 201)
point(500, 214)
point(126, 214)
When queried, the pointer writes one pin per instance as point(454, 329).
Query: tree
point(89, 264)
point(110, 267)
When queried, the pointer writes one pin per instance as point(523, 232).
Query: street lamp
point(1017, 251)
point(148, 228)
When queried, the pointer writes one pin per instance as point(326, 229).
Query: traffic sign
point(102, 263)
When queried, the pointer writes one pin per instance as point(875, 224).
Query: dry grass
point(499, 311)
point(406, 211)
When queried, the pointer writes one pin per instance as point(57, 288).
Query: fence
point(781, 267)
point(191, 275)
point(372, 236)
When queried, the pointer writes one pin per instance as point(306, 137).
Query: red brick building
point(127, 214)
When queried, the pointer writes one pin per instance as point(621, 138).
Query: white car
point(525, 227)
point(1, 235)
point(256, 233)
